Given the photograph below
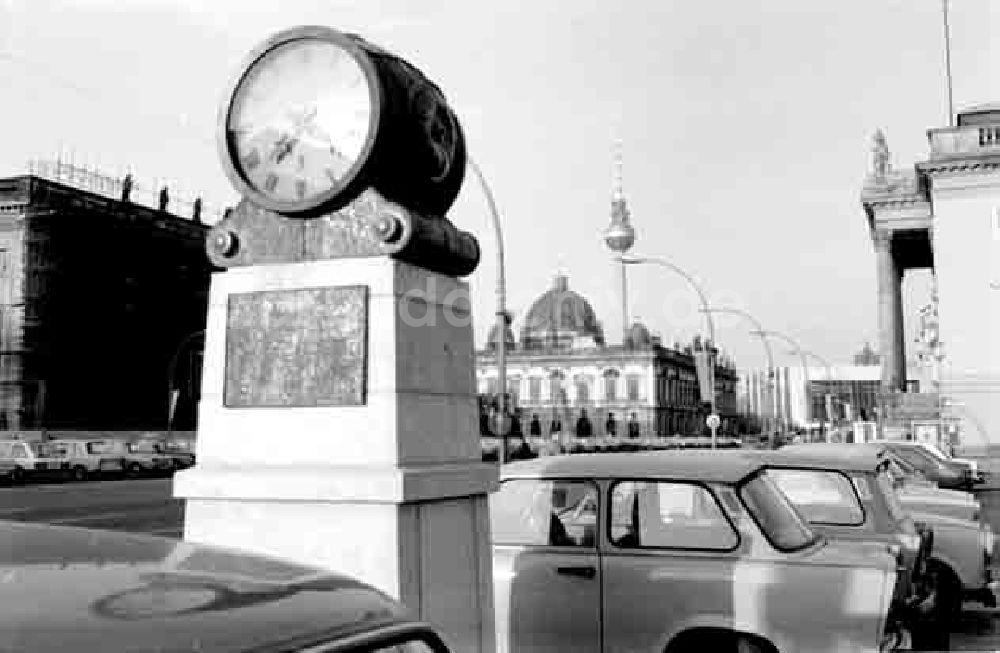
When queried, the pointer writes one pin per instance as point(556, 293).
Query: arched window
point(611, 385)
point(582, 384)
point(557, 394)
point(633, 387)
point(535, 389)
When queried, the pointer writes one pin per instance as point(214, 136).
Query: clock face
point(299, 121)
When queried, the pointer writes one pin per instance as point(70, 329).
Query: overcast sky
point(745, 124)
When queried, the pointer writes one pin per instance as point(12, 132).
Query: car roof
point(724, 466)
point(141, 592)
point(862, 456)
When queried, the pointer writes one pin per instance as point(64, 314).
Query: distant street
point(138, 506)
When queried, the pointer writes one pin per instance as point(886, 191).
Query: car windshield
point(782, 524)
point(934, 451)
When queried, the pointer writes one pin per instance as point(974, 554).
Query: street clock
point(315, 116)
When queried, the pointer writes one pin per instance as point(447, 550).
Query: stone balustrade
point(958, 142)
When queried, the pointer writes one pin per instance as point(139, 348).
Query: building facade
point(561, 369)
point(101, 304)
point(944, 214)
point(795, 397)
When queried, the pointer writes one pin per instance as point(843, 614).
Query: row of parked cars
point(813, 547)
point(79, 460)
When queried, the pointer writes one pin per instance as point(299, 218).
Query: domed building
point(562, 370)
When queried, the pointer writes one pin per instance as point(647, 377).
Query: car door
point(669, 564)
point(546, 571)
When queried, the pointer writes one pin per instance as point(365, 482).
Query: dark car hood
point(74, 589)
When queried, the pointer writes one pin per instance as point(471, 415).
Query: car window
point(44, 450)
point(19, 451)
point(98, 447)
point(544, 512)
point(668, 515)
point(917, 459)
point(774, 513)
point(823, 497)
point(5, 449)
point(934, 451)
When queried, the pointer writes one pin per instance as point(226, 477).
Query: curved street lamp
point(759, 331)
point(501, 312)
point(658, 260)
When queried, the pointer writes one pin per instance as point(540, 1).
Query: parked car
point(72, 589)
point(935, 466)
point(179, 455)
point(960, 566)
point(921, 495)
point(32, 460)
point(675, 551)
point(846, 494)
point(86, 458)
point(138, 462)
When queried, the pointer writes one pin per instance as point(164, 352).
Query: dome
point(638, 337)
point(560, 315)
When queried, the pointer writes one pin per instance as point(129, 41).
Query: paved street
point(140, 506)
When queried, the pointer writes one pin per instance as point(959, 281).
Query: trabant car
point(961, 562)
point(974, 473)
point(845, 493)
point(138, 462)
point(32, 460)
point(935, 465)
point(675, 551)
point(178, 454)
point(921, 495)
point(85, 458)
point(73, 589)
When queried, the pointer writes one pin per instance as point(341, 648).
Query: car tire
point(134, 470)
point(79, 473)
point(934, 633)
point(17, 476)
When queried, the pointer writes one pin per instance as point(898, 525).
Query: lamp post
point(713, 418)
point(759, 331)
point(501, 315)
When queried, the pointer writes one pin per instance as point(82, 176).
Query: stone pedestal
point(377, 475)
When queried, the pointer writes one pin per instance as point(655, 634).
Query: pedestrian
point(583, 427)
point(555, 428)
point(634, 430)
point(535, 428)
point(611, 426)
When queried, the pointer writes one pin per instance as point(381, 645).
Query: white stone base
point(393, 491)
point(432, 555)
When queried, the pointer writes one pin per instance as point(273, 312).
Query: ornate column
point(890, 313)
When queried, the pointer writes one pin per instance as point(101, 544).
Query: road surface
point(138, 506)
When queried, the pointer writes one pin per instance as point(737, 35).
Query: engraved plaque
point(304, 347)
